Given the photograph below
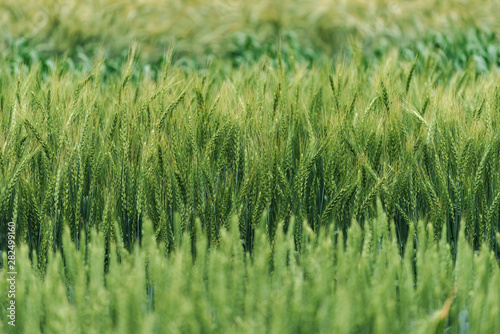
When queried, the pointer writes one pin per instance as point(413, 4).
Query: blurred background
point(459, 32)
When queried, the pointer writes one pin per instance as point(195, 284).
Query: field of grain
point(222, 167)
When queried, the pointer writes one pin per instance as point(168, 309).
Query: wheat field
point(299, 169)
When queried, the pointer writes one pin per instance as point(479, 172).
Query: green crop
point(84, 151)
point(43, 31)
point(363, 285)
point(293, 166)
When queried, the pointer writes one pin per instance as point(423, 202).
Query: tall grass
point(82, 151)
point(346, 194)
point(362, 285)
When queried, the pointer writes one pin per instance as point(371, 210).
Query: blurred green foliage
point(361, 286)
point(241, 33)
